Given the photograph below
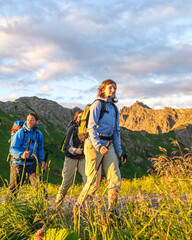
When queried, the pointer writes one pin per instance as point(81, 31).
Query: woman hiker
point(100, 132)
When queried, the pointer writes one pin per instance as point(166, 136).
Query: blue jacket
point(19, 145)
point(107, 126)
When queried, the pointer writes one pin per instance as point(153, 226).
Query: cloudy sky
point(63, 49)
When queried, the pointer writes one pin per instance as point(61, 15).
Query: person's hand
point(44, 165)
point(25, 155)
point(79, 151)
point(103, 150)
point(123, 159)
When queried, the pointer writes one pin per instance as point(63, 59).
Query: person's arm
point(40, 148)
point(69, 141)
point(117, 137)
point(94, 114)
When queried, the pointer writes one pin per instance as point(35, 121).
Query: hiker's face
point(31, 121)
point(110, 90)
point(79, 117)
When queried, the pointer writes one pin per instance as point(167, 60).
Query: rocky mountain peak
point(140, 104)
point(140, 117)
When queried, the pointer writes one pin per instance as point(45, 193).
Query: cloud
point(143, 45)
point(45, 88)
point(9, 98)
point(54, 70)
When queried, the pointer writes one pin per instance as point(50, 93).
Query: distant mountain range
point(143, 130)
point(138, 117)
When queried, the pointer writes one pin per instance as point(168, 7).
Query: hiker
point(27, 142)
point(74, 159)
point(100, 132)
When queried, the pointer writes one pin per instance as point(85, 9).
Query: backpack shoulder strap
point(25, 133)
point(103, 108)
point(116, 111)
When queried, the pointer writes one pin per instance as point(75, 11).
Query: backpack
point(64, 137)
point(83, 131)
point(16, 126)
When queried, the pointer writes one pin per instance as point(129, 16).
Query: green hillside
point(5, 123)
point(138, 145)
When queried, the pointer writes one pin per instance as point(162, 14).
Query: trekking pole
point(93, 178)
point(27, 149)
point(74, 179)
point(80, 146)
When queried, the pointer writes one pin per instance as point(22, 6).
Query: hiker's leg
point(92, 159)
point(81, 169)
point(68, 175)
point(35, 179)
point(15, 179)
point(111, 168)
point(33, 175)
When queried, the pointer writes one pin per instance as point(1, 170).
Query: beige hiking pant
point(110, 165)
point(68, 173)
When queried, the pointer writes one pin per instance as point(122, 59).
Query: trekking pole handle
point(28, 144)
point(107, 146)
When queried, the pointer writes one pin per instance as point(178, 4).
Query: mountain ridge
point(139, 144)
point(140, 117)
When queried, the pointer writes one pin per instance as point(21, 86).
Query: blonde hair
point(101, 89)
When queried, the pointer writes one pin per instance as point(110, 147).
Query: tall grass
point(168, 217)
point(157, 206)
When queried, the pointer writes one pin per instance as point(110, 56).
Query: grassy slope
point(145, 147)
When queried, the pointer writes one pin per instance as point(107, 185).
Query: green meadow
point(154, 200)
point(156, 206)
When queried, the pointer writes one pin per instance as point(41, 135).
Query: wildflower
point(40, 234)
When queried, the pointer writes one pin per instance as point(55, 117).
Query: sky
point(62, 50)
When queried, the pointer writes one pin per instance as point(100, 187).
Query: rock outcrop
point(139, 117)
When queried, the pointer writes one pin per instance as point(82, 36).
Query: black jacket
point(72, 142)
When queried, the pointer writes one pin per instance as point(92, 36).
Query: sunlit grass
point(157, 206)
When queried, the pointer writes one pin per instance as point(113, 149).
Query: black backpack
point(64, 137)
